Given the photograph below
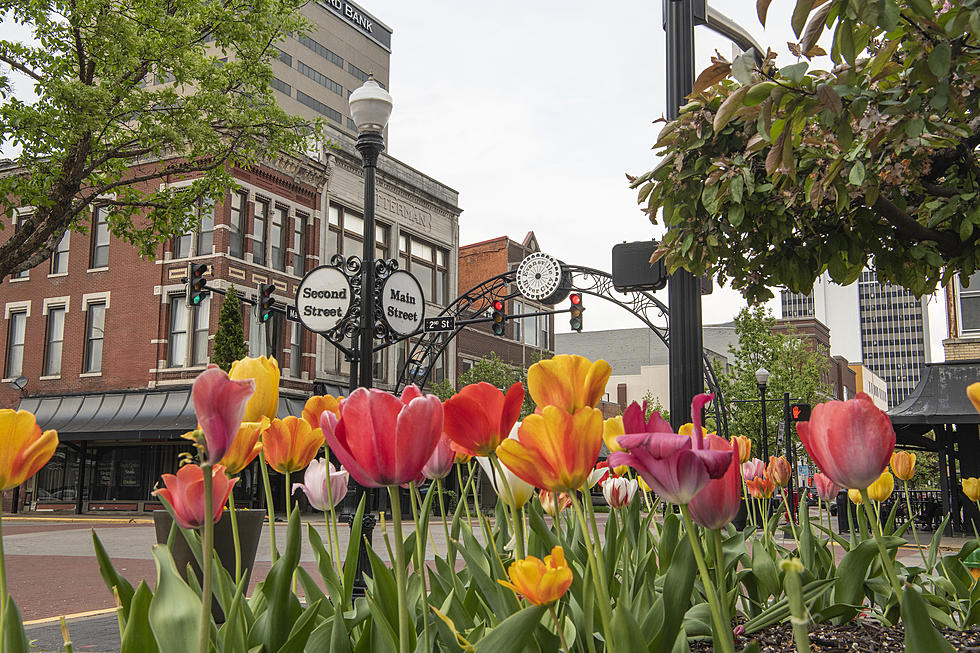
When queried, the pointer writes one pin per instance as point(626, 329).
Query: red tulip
point(185, 493)
point(718, 503)
point(826, 488)
point(676, 467)
point(479, 417)
point(851, 441)
point(441, 461)
point(219, 403)
point(381, 439)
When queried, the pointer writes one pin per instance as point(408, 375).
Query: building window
point(319, 78)
point(200, 237)
point(319, 107)
point(236, 223)
point(379, 369)
point(299, 244)
point(285, 57)
point(94, 337)
point(277, 238)
point(360, 74)
point(179, 339)
point(59, 257)
point(282, 87)
point(346, 234)
point(16, 333)
point(296, 351)
point(53, 341)
point(321, 50)
point(428, 263)
point(100, 239)
point(970, 305)
point(259, 232)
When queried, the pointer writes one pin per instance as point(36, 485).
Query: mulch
point(856, 636)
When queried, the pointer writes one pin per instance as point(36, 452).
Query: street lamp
point(370, 107)
point(762, 378)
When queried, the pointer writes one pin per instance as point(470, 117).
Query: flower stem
point(561, 631)
point(723, 634)
point(605, 612)
point(463, 491)
point(400, 575)
point(886, 561)
point(420, 559)
point(289, 507)
point(445, 525)
point(797, 606)
point(915, 534)
point(235, 538)
point(273, 551)
point(720, 575)
point(332, 542)
point(207, 546)
point(600, 559)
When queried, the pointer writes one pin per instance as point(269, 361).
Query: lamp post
point(761, 379)
point(370, 107)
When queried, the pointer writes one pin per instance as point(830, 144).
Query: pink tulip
point(718, 503)
point(676, 467)
point(635, 421)
point(381, 439)
point(619, 491)
point(316, 480)
point(185, 493)
point(441, 461)
point(851, 441)
point(826, 488)
point(219, 403)
point(755, 468)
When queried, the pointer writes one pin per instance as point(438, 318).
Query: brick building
point(963, 320)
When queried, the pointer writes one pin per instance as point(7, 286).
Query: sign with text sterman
point(323, 298)
point(402, 303)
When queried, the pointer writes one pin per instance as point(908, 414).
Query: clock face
point(538, 276)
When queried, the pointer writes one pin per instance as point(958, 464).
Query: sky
point(536, 111)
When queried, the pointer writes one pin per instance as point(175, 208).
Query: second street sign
point(433, 324)
point(323, 298)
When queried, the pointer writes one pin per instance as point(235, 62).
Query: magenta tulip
point(219, 403)
point(635, 421)
point(851, 441)
point(753, 469)
point(826, 488)
point(185, 494)
point(676, 467)
point(718, 503)
point(441, 461)
point(318, 477)
point(381, 439)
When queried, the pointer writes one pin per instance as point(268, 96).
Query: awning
point(940, 396)
point(125, 415)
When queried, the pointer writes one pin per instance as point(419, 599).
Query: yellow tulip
point(881, 489)
point(971, 488)
point(245, 447)
point(290, 444)
point(903, 464)
point(855, 496)
point(612, 428)
point(317, 405)
point(540, 582)
point(265, 399)
point(973, 392)
point(567, 381)
point(743, 445)
point(643, 484)
point(24, 449)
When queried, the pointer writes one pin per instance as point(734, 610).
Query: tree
point(780, 174)
point(132, 97)
point(493, 370)
point(794, 366)
point(229, 339)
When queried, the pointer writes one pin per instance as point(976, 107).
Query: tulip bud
point(554, 502)
point(779, 470)
point(619, 491)
point(743, 445)
point(754, 468)
point(265, 400)
point(855, 496)
point(826, 489)
point(971, 488)
point(973, 392)
point(903, 464)
point(881, 489)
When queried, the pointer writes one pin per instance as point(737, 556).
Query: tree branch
point(911, 228)
point(18, 66)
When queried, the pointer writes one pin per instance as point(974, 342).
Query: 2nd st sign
point(435, 324)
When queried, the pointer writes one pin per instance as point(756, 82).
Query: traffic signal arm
point(484, 320)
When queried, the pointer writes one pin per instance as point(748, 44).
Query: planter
point(250, 524)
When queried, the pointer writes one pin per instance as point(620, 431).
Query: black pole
point(370, 144)
point(684, 290)
point(765, 428)
point(789, 454)
point(80, 481)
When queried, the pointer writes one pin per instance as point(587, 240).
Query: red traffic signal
point(498, 305)
point(575, 298)
point(498, 318)
point(575, 313)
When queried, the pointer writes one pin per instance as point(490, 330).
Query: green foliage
point(183, 89)
point(493, 370)
point(782, 173)
point(654, 404)
point(793, 366)
point(229, 339)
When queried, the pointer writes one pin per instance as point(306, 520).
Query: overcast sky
point(535, 112)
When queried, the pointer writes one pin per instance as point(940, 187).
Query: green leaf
point(512, 634)
point(111, 576)
point(856, 176)
point(727, 109)
point(795, 72)
point(800, 13)
point(274, 625)
point(939, 59)
point(758, 92)
point(137, 637)
point(924, 8)
point(920, 634)
point(853, 569)
point(14, 638)
point(350, 562)
point(780, 610)
point(677, 588)
point(175, 610)
point(300, 633)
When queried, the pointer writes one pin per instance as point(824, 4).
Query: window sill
point(52, 377)
point(55, 275)
point(9, 379)
point(86, 375)
point(19, 279)
point(102, 269)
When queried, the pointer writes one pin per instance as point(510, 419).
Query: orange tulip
point(24, 449)
point(554, 502)
point(568, 382)
point(245, 447)
point(779, 470)
point(743, 445)
point(315, 406)
point(973, 392)
point(555, 450)
point(290, 444)
point(540, 582)
point(903, 464)
point(761, 487)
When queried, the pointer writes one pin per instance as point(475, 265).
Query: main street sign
point(323, 298)
point(402, 303)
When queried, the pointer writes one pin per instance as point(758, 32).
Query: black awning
point(940, 396)
point(125, 415)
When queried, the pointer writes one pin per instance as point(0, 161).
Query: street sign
point(402, 303)
point(439, 324)
point(292, 313)
point(323, 298)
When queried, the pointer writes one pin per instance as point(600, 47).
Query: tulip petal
point(467, 423)
point(417, 432)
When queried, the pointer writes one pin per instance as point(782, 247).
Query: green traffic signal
point(197, 285)
point(266, 301)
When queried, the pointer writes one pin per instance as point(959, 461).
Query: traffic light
point(800, 412)
point(266, 301)
point(196, 283)
point(576, 311)
point(498, 318)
